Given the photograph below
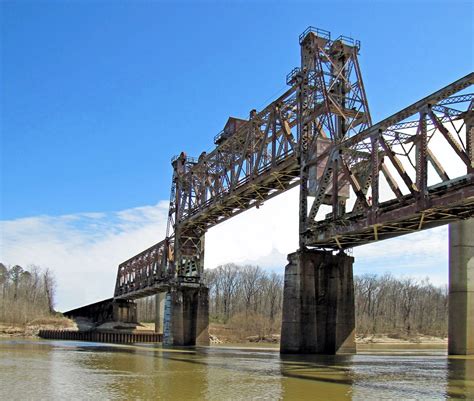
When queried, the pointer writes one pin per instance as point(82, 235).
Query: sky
point(97, 96)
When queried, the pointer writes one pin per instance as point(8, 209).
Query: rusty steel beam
point(319, 136)
point(447, 198)
point(144, 273)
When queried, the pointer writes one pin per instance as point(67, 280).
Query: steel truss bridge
point(359, 182)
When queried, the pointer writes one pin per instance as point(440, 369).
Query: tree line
point(249, 299)
point(388, 305)
point(26, 293)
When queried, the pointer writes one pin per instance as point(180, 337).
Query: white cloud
point(418, 255)
point(83, 249)
point(264, 236)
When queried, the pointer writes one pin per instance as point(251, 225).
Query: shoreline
point(31, 331)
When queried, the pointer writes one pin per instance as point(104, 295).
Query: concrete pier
point(318, 304)
point(125, 312)
point(189, 317)
point(159, 311)
point(461, 288)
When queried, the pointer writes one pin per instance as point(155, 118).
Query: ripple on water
point(32, 370)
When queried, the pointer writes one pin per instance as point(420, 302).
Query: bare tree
point(27, 293)
point(251, 283)
point(50, 288)
point(228, 278)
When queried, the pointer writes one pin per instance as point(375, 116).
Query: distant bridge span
point(359, 182)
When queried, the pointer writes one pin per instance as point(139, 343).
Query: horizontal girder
point(403, 153)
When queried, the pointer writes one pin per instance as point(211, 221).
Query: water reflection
point(331, 376)
point(70, 370)
point(461, 378)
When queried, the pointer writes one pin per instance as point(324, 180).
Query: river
point(66, 370)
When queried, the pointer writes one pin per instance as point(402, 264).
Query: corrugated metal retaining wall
point(102, 336)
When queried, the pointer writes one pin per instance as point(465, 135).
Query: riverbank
point(224, 334)
point(31, 329)
point(219, 333)
point(396, 339)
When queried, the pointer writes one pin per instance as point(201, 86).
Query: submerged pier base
point(461, 288)
point(318, 304)
point(187, 317)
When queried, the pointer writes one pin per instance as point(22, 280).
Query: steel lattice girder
point(256, 163)
point(144, 273)
point(424, 206)
point(263, 158)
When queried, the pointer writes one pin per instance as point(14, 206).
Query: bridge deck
point(446, 203)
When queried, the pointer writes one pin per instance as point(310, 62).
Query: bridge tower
point(186, 316)
point(318, 310)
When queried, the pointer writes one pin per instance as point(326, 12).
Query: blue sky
point(97, 96)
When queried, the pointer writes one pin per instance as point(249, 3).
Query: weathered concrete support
point(202, 317)
point(318, 304)
point(461, 288)
point(125, 311)
point(189, 317)
point(298, 330)
point(159, 311)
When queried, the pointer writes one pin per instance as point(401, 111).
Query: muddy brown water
point(67, 370)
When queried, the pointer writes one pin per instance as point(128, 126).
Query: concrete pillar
point(318, 304)
point(189, 317)
point(202, 317)
point(461, 288)
point(159, 311)
point(298, 330)
point(124, 311)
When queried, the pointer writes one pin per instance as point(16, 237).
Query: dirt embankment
point(401, 339)
point(32, 328)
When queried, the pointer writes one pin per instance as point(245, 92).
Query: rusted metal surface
point(358, 182)
point(145, 273)
point(101, 311)
point(405, 149)
point(102, 336)
point(107, 310)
